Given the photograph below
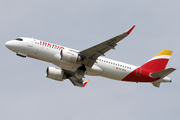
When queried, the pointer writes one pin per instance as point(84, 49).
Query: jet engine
point(55, 73)
point(70, 56)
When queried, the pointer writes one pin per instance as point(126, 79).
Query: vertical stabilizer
point(158, 62)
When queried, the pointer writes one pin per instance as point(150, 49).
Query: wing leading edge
point(91, 54)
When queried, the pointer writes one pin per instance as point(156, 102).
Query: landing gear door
point(30, 42)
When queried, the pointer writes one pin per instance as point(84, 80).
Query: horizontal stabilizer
point(156, 84)
point(162, 73)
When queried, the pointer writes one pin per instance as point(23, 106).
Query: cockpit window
point(20, 39)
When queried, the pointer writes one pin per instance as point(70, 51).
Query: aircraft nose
point(8, 44)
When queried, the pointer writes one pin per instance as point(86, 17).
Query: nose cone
point(8, 44)
point(11, 45)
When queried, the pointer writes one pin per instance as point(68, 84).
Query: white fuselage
point(50, 53)
point(75, 64)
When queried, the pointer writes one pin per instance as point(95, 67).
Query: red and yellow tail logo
point(158, 62)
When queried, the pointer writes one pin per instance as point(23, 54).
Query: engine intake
point(55, 73)
point(70, 56)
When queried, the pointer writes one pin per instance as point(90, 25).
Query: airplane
point(73, 64)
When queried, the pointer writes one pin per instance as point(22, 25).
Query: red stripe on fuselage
point(141, 74)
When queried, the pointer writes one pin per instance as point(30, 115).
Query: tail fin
point(158, 62)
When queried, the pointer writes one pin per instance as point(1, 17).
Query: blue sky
point(27, 94)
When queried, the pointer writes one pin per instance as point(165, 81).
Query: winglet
point(84, 83)
point(129, 31)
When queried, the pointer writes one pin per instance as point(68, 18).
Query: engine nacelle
point(70, 56)
point(55, 73)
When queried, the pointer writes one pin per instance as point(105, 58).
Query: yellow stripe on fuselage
point(164, 52)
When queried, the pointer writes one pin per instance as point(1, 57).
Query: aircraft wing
point(90, 55)
point(76, 82)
